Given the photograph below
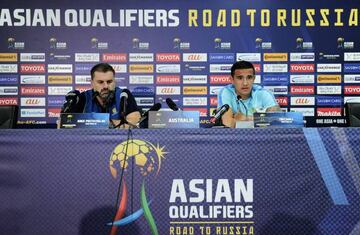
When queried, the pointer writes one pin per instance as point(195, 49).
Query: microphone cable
point(239, 100)
point(129, 140)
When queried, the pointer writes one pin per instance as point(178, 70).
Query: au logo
point(148, 159)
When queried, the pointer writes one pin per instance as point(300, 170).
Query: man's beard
point(105, 93)
point(107, 96)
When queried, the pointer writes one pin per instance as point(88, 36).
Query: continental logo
point(8, 57)
point(60, 79)
point(141, 68)
point(269, 57)
point(195, 90)
point(329, 78)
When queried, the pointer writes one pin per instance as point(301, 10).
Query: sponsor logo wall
point(307, 75)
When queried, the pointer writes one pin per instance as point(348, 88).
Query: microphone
point(124, 95)
point(71, 98)
point(239, 100)
point(155, 107)
point(219, 113)
point(123, 103)
point(109, 99)
point(171, 104)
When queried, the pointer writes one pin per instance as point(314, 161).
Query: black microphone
point(123, 103)
point(71, 98)
point(110, 97)
point(219, 113)
point(171, 104)
point(155, 107)
point(239, 100)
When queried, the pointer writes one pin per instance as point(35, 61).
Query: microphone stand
point(66, 108)
point(124, 122)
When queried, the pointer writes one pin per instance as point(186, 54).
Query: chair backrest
point(8, 116)
point(352, 111)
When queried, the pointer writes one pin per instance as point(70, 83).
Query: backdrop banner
point(307, 55)
point(255, 181)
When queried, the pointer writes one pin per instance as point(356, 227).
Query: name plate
point(174, 119)
point(84, 120)
point(279, 120)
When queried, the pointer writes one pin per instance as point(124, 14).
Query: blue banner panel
point(254, 181)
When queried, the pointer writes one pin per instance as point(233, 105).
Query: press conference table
point(180, 181)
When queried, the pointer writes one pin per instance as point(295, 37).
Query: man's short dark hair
point(102, 67)
point(242, 64)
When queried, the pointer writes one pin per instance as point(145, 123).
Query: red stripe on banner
point(122, 208)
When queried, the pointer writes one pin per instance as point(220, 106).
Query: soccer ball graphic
point(145, 156)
